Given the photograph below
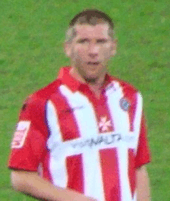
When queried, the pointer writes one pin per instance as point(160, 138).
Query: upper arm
point(28, 144)
point(143, 152)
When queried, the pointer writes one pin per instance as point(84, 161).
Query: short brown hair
point(91, 17)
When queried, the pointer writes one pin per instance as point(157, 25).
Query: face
point(90, 50)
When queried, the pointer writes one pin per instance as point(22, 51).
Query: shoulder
point(38, 99)
point(127, 91)
point(47, 91)
point(129, 96)
point(125, 86)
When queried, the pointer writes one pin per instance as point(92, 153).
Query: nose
point(93, 50)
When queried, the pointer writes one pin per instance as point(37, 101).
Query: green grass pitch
point(31, 52)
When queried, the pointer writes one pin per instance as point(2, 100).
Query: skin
point(143, 187)
point(32, 184)
point(89, 52)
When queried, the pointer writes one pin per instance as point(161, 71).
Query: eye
point(101, 41)
point(84, 40)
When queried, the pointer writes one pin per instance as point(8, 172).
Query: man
point(83, 137)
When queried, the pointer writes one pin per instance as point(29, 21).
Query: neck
point(94, 84)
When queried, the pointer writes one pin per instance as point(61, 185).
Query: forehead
point(92, 31)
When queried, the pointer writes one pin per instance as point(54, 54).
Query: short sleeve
point(143, 152)
point(28, 143)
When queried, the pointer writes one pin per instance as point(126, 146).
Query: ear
point(114, 47)
point(67, 49)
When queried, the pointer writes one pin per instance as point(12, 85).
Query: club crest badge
point(124, 104)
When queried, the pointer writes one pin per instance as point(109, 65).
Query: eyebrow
point(87, 39)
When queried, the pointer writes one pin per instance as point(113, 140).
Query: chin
point(91, 79)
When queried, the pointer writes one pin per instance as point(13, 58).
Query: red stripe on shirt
point(132, 109)
point(75, 173)
point(66, 118)
point(45, 167)
point(110, 174)
point(131, 171)
point(102, 111)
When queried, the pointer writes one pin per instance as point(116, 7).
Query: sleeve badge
point(20, 134)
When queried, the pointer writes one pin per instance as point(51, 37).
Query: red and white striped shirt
point(92, 145)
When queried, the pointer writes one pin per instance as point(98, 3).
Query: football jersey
point(76, 140)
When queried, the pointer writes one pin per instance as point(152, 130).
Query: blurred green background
point(31, 52)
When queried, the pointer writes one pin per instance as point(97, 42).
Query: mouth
point(93, 63)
